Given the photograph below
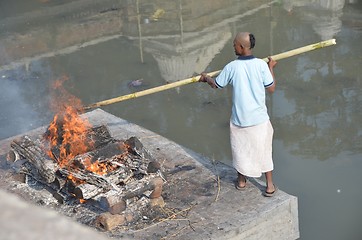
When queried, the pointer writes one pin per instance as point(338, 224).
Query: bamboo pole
point(276, 57)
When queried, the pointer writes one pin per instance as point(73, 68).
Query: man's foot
point(240, 183)
point(270, 191)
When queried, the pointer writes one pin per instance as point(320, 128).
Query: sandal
point(270, 194)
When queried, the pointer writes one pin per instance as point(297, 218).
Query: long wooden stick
point(212, 74)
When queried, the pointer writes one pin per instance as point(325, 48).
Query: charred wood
point(32, 151)
point(114, 150)
point(112, 202)
point(12, 156)
point(137, 188)
point(108, 166)
point(153, 167)
point(89, 177)
point(115, 201)
point(95, 138)
point(60, 181)
point(136, 147)
point(116, 176)
point(59, 193)
point(86, 191)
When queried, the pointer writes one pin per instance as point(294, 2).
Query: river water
point(103, 47)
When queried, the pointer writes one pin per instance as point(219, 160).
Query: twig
point(172, 217)
point(193, 229)
point(180, 230)
point(218, 188)
point(175, 234)
point(217, 179)
point(179, 219)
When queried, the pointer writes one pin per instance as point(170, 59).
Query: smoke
point(24, 99)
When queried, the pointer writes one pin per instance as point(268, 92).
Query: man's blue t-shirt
point(249, 77)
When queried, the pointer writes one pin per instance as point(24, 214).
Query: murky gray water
point(316, 111)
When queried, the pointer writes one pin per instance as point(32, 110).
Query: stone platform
point(200, 189)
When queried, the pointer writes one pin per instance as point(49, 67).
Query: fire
point(67, 133)
point(74, 179)
point(96, 167)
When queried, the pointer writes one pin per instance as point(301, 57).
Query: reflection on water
point(324, 16)
point(102, 47)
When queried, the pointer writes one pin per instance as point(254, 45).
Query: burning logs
point(115, 175)
point(90, 139)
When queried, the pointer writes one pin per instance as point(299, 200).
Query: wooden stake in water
point(276, 57)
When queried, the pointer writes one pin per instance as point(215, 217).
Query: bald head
point(246, 39)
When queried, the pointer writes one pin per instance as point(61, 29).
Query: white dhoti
point(251, 148)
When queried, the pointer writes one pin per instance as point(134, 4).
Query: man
point(251, 132)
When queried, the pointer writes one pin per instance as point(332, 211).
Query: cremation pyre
point(118, 176)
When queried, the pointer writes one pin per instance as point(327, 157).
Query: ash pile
point(114, 181)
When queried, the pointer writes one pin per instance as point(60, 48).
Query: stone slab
point(202, 191)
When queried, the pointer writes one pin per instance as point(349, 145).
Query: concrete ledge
point(217, 209)
point(22, 220)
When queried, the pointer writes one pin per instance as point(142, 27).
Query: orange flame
point(96, 167)
point(67, 131)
